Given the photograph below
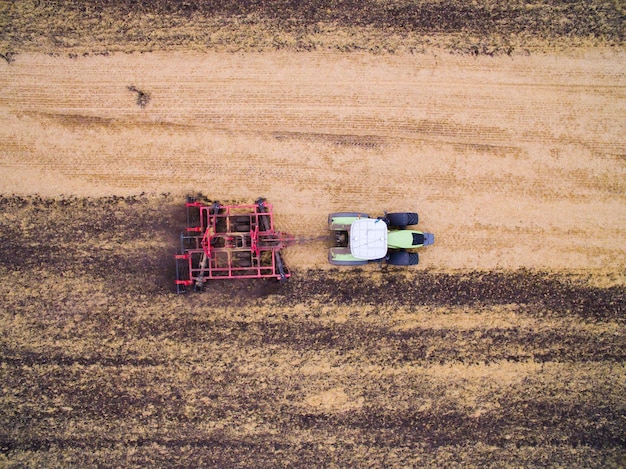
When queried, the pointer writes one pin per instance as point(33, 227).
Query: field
point(73, 27)
point(501, 123)
point(102, 362)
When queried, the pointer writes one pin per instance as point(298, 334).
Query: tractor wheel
point(403, 258)
point(402, 219)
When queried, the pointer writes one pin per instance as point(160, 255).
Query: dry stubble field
point(505, 347)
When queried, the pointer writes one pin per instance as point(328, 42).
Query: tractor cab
point(368, 239)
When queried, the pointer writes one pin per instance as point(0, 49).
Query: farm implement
point(240, 242)
point(229, 242)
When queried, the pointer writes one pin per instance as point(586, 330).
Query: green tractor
point(360, 239)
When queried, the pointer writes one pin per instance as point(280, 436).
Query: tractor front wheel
point(403, 258)
point(402, 219)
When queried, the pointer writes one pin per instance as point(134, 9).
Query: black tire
point(403, 258)
point(402, 219)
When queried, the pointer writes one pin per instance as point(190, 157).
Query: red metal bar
point(219, 249)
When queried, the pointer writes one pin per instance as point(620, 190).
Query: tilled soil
point(501, 123)
point(103, 364)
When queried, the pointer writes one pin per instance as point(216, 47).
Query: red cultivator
point(229, 242)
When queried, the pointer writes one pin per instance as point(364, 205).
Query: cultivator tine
point(200, 280)
point(193, 215)
point(179, 287)
point(215, 208)
point(182, 243)
point(264, 220)
point(182, 274)
point(280, 266)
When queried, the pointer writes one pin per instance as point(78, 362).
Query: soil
point(504, 347)
point(103, 364)
point(511, 161)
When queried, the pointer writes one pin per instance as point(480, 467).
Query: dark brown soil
point(103, 364)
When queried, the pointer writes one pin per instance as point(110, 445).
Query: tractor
point(360, 239)
point(223, 242)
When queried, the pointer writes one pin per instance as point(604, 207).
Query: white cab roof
point(368, 239)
